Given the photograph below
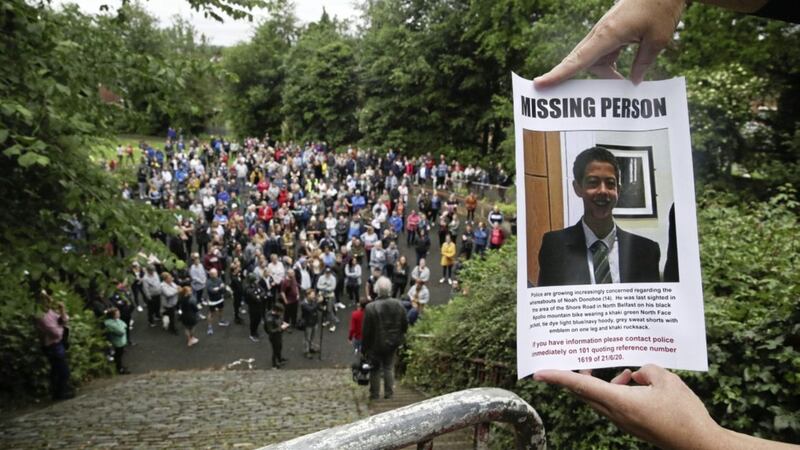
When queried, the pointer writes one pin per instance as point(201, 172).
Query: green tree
point(319, 98)
point(254, 88)
point(51, 64)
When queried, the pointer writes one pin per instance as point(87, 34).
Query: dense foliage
point(751, 267)
point(50, 115)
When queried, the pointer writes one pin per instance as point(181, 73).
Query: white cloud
point(231, 31)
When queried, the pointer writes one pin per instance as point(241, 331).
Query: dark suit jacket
point(562, 258)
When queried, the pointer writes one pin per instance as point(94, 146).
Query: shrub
point(25, 371)
point(751, 267)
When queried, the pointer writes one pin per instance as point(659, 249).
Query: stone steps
point(193, 409)
point(206, 409)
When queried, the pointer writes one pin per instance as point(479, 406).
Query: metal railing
point(421, 422)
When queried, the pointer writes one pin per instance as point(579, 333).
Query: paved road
point(156, 349)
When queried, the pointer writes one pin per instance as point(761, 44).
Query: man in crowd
point(385, 326)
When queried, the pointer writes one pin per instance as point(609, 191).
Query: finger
point(623, 377)
point(598, 407)
point(645, 57)
point(650, 374)
point(587, 387)
point(606, 67)
point(597, 45)
point(585, 372)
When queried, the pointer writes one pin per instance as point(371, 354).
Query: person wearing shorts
point(215, 289)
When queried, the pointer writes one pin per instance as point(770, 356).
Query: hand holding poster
point(609, 267)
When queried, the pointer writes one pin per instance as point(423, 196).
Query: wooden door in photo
point(544, 192)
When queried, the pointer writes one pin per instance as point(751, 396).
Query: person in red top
point(412, 223)
point(52, 325)
point(262, 185)
point(265, 213)
point(356, 325)
point(290, 296)
point(496, 236)
point(283, 196)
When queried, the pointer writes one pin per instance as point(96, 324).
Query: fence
point(421, 422)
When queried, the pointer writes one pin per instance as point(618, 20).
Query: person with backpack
point(384, 329)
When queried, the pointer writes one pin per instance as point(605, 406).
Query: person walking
point(384, 329)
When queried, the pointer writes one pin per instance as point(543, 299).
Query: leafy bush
point(751, 267)
point(26, 370)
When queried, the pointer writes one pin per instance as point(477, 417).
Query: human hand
point(661, 409)
point(649, 23)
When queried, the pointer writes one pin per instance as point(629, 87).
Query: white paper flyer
point(609, 264)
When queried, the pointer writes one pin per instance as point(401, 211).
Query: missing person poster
point(609, 265)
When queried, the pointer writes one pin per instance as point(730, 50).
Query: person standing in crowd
point(151, 286)
point(325, 286)
point(495, 216)
point(309, 309)
point(471, 203)
point(467, 243)
point(496, 236)
point(448, 259)
point(117, 336)
point(121, 300)
point(444, 222)
point(423, 245)
point(256, 299)
point(354, 335)
point(384, 329)
point(290, 296)
point(377, 258)
point(352, 273)
point(420, 294)
point(275, 326)
point(421, 272)
point(276, 271)
point(400, 275)
point(169, 301)
point(215, 289)
point(481, 237)
point(237, 287)
point(136, 285)
point(189, 308)
point(52, 325)
point(412, 223)
point(199, 278)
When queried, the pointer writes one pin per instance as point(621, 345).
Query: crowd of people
point(292, 236)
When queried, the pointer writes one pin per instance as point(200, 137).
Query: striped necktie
point(602, 271)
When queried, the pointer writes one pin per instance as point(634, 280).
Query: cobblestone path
point(194, 409)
